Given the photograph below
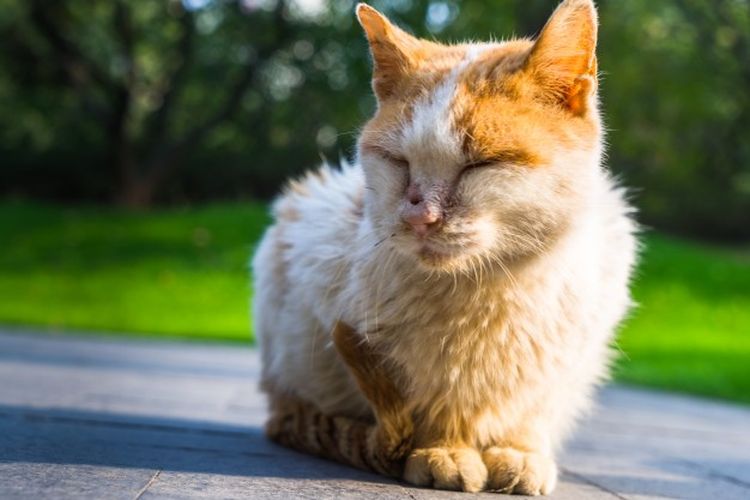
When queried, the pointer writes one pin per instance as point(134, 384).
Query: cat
point(473, 263)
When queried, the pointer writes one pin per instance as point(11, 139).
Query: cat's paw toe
point(446, 469)
point(513, 471)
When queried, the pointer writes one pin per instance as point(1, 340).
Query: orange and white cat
point(477, 244)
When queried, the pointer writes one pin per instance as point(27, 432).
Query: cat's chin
point(435, 259)
point(437, 254)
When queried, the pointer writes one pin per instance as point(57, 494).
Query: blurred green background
point(141, 141)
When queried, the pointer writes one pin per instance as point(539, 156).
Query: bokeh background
point(141, 141)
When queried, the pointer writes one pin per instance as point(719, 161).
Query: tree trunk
point(137, 194)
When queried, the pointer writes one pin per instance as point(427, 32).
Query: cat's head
point(481, 150)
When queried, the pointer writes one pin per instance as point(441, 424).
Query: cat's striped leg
point(302, 426)
point(379, 446)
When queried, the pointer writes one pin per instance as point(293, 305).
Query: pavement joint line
point(146, 486)
point(590, 482)
point(710, 472)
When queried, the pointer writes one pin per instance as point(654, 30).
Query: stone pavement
point(90, 417)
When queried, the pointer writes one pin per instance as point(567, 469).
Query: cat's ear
point(563, 59)
point(391, 50)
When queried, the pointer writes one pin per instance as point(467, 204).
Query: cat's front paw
point(522, 473)
point(446, 469)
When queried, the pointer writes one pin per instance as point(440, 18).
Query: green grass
point(691, 331)
point(184, 273)
point(169, 273)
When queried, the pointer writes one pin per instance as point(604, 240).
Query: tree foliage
point(139, 101)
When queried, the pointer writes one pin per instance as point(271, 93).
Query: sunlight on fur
point(474, 259)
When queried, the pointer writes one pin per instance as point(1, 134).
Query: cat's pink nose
point(421, 217)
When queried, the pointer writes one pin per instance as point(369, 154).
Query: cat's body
point(491, 293)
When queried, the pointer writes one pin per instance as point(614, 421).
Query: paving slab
point(91, 417)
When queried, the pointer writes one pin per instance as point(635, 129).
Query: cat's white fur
point(501, 346)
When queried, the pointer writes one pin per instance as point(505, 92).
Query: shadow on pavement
point(54, 436)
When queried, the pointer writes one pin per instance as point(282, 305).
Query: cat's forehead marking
point(429, 131)
point(493, 114)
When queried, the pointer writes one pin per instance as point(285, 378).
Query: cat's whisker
point(455, 283)
point(443, 341)
point(476, 272)
point(499, 262)
point(379, 287)
point(383, 240)
point(481, 263)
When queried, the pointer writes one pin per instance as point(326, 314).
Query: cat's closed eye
point(398, 161)
point(502, 159)
point(394, 159)
point(479, 164)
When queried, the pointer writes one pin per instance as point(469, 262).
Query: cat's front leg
point(393, 432)
point(446, 467)
point(520, 472)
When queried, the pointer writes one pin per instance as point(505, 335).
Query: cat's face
point(480, 152)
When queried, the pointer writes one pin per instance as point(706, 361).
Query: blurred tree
point(127, 67)
point(677, 98)
point(199, 99)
